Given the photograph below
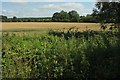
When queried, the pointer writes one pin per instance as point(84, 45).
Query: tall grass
point(62, 57)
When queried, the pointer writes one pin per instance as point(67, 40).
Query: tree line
point(62, 16)
point(15, 19)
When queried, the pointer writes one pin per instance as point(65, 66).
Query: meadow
point(75, 53)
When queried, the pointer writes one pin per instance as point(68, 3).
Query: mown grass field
point(45, 26)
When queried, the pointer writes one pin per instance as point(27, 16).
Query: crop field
point(45, 26)
point(81, 54)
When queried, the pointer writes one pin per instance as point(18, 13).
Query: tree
point(87, 18)
point(60, 16)
point(64, 17)
point(56, 17)
point(74, 16)
point(107, 12)
point(14, 19)
point(3, 18)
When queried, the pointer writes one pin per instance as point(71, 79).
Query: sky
point(48, 0)
point(25, 8)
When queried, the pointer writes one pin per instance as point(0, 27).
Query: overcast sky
point(23, 8)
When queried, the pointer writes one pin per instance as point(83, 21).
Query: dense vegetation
point(108, 12)
point(63, 16)
point(57, 57)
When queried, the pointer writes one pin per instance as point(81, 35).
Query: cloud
point(55, 0)
point(9, 13)
point(19, 1)
point(63, 0)
point(47, 9)
point(65, 6)
point(1, 12)
point(16, 1)
point(49, 0)
point(79, 7)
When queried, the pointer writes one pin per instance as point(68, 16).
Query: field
point(45, 26)
point(59, 55)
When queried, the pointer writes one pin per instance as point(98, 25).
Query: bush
point(53, 57)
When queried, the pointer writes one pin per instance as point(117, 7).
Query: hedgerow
point(55, 57)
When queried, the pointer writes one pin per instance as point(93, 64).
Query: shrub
point(91, 55)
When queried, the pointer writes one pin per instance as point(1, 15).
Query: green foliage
point(74, 16)
point(55, 57)
point(60, 17)
point(88, 18)
point(108, 11)
point(3, 18)
point(14, 19)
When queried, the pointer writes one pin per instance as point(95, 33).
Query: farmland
point(45, 26)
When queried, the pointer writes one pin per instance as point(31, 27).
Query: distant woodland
point(61, 16)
